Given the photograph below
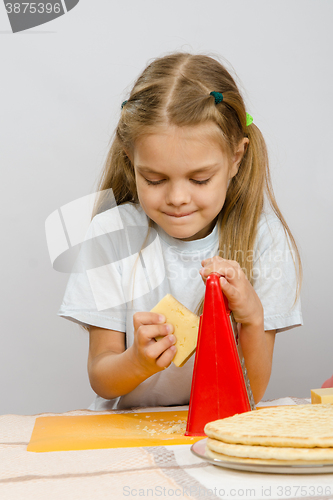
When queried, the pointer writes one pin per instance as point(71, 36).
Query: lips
point(178, 215)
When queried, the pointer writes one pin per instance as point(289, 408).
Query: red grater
point(220, 385)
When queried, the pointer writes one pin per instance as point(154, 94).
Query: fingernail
point(170, 328)
point(172, 338)
point(161, 318)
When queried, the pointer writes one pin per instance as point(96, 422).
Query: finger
point(163, 330)
point(166, 357)
point(211, 260)
point(215, 264)
point(219, 261)
point(228, 289)
point(155, 349)
point(233, 271)
point(147, 333)
point(147, 318)
point(230, 269)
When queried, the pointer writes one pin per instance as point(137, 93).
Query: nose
point(177, 194)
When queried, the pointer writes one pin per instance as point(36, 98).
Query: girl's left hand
point(243, 300)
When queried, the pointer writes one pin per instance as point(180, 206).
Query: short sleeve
point(97, 268)
point(275, 277)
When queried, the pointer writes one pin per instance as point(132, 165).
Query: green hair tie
point(217, 96)
point(249, 119)
point(123, 104)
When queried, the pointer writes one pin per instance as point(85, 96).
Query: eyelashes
point(201, 182)
point(153, 183)
point(156, 183)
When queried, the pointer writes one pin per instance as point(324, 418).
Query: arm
point(257, 345)
point(114, 371)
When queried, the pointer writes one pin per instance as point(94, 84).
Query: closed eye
point(201, 182)
point(156, 183)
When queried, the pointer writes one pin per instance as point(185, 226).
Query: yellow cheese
point(323, 396)
point(185, 323)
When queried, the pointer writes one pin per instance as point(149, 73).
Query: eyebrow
point(195, 171)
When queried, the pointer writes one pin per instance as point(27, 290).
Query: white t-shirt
point(125, 268)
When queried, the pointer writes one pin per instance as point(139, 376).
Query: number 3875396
point(32, 8)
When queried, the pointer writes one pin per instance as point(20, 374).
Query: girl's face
point(182, 176)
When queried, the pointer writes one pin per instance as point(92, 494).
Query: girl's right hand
point(149, 355)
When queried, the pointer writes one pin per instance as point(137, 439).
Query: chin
point(183, 235)
point(178, 232)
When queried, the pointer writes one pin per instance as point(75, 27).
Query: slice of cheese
point(323, 396)
point(185, 323)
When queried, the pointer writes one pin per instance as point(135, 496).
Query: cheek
point(216, 197)
point(147, 197)
point(141, 191)
point(141, 186)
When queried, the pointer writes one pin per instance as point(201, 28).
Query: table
point(147, 472)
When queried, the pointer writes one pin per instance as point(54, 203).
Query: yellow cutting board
point(88, 432)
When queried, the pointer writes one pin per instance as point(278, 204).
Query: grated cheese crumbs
point(177, 427)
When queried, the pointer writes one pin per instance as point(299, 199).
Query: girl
point(183, 193)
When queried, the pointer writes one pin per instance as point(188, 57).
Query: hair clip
point(217, 96)
point(123, 104)
point(249, 119)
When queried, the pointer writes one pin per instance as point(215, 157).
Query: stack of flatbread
point(279, 435)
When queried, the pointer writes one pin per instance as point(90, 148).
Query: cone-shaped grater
point(220, 385)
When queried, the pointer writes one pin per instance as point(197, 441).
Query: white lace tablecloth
point(148, 472)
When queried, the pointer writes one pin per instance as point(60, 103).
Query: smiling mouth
point(179, 215)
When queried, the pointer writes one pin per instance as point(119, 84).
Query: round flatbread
point(302, 426)
point(271, 452)
point(259, 461)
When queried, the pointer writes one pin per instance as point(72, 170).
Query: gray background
point(62, 84)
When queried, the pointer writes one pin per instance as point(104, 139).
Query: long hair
point(175, 90)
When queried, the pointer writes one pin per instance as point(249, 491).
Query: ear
point(238, 156)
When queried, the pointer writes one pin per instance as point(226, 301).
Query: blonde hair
point(175, 90)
